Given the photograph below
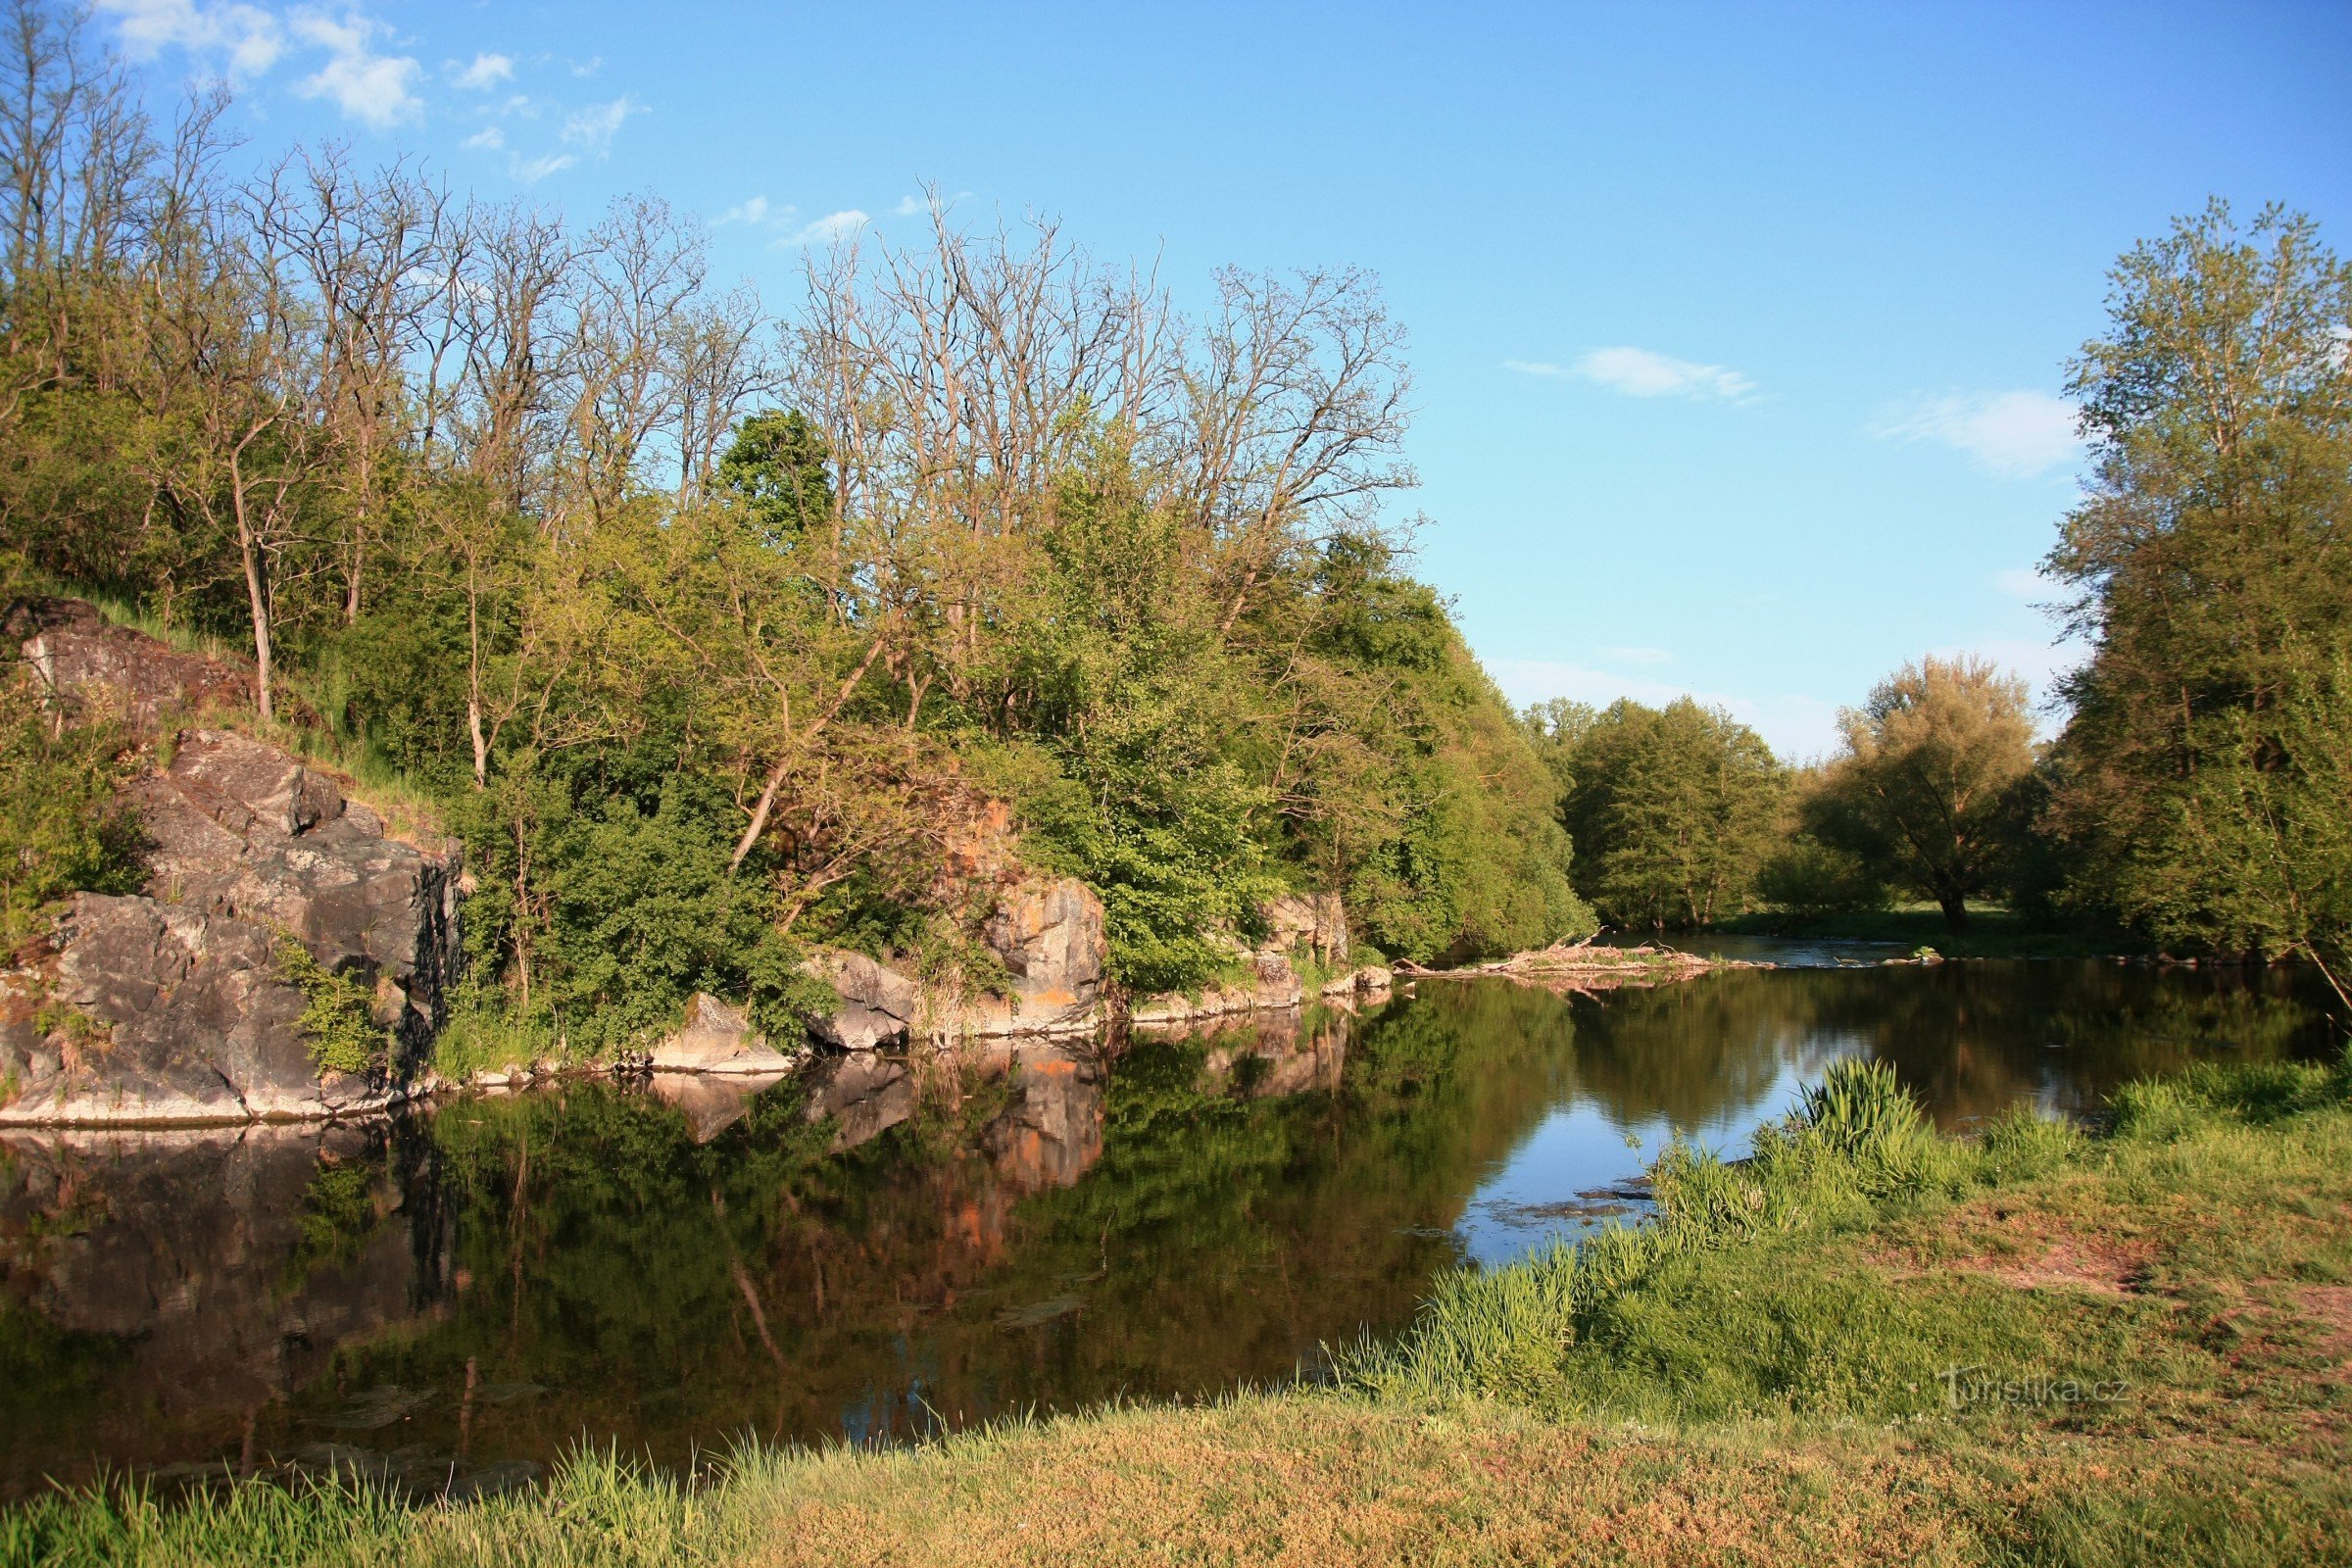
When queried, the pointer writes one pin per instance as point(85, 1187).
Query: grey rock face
point(879, 1006)
point(1050, 934)
point(168, 1008)
point(244, 830)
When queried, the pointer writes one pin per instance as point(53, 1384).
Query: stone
point(879, 1006)
point(717, 1038)
point(167, 1006)
point(178, 1017)
point(1048, 933)
point(1316, 922)
point(72, 648)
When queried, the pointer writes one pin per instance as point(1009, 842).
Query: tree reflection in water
point(879, 1246)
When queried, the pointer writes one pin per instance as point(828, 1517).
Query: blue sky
point(1738, 331)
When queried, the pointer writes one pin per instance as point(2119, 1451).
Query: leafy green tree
point(1672, 809)
point(1930, 789)
point(2201, 778)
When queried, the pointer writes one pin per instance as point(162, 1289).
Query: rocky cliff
point(176, 1005)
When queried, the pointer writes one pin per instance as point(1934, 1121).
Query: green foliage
point(645, 913)
point(777, 463)
point(2203, 772)
point(1934, 785)
point(63, 827)
point(339, 1018)
point(1804, 876)
point(1672, 809)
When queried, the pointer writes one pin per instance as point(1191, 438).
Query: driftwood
point(1582, 967)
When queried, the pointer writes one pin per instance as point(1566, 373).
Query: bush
point(339, 1021)
point(1805, 876)
point(63, 827)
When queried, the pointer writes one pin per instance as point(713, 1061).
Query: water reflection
point(880, 1245)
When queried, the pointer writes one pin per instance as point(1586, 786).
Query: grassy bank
point(1869, 1343)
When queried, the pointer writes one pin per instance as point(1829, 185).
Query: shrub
point(339, 1020)
point(63, 827)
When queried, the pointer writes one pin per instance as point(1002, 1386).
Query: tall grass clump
point(1856, 1142)
point(597, 1507)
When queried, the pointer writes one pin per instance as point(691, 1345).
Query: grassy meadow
point(1869, 1342)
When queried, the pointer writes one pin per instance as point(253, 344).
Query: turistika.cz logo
point(1973, 1387)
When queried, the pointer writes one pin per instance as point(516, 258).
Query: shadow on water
point(871, 1250)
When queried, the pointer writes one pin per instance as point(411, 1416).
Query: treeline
point(710, 630)
point(2200, 791)
point(1690, 817)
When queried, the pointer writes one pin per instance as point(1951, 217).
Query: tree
point(1928, 790)
point(1671, 809)
point(2201, 773)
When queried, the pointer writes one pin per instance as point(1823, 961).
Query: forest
point(710, 630)
point(710, 626)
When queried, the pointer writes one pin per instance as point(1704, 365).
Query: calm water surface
point(461, 1294)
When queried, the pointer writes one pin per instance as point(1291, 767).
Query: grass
point(2047, 1345)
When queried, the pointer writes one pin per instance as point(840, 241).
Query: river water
point(870, 1250)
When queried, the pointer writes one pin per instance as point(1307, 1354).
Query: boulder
point(1316, 922)
point(879, 1006)
point(1048, 933)
point(717, 1038)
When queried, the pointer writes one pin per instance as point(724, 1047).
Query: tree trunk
point(256, 596)
point(1955, 911)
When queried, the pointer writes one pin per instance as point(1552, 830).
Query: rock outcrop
point(72, 648)
point(717, 1039)
point(1050, 934)
point(1312, 926)
point(173, 1005)
point(1047, 932)
point(1313, 921)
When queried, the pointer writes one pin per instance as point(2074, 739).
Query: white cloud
point(531, 171)
point(2015, 434)
point(592, 130)
point(754, 211)
point(1636, 655)
point(367, 87)
point(248, 37)
point(487, 71)
point(1644, 374)
point(489, 139)
point(910, 207)
point(829, 230)
point(1794, 725)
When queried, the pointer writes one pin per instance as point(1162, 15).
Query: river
point(870, 1251)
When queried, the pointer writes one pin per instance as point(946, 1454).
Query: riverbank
point(1869, 1342)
